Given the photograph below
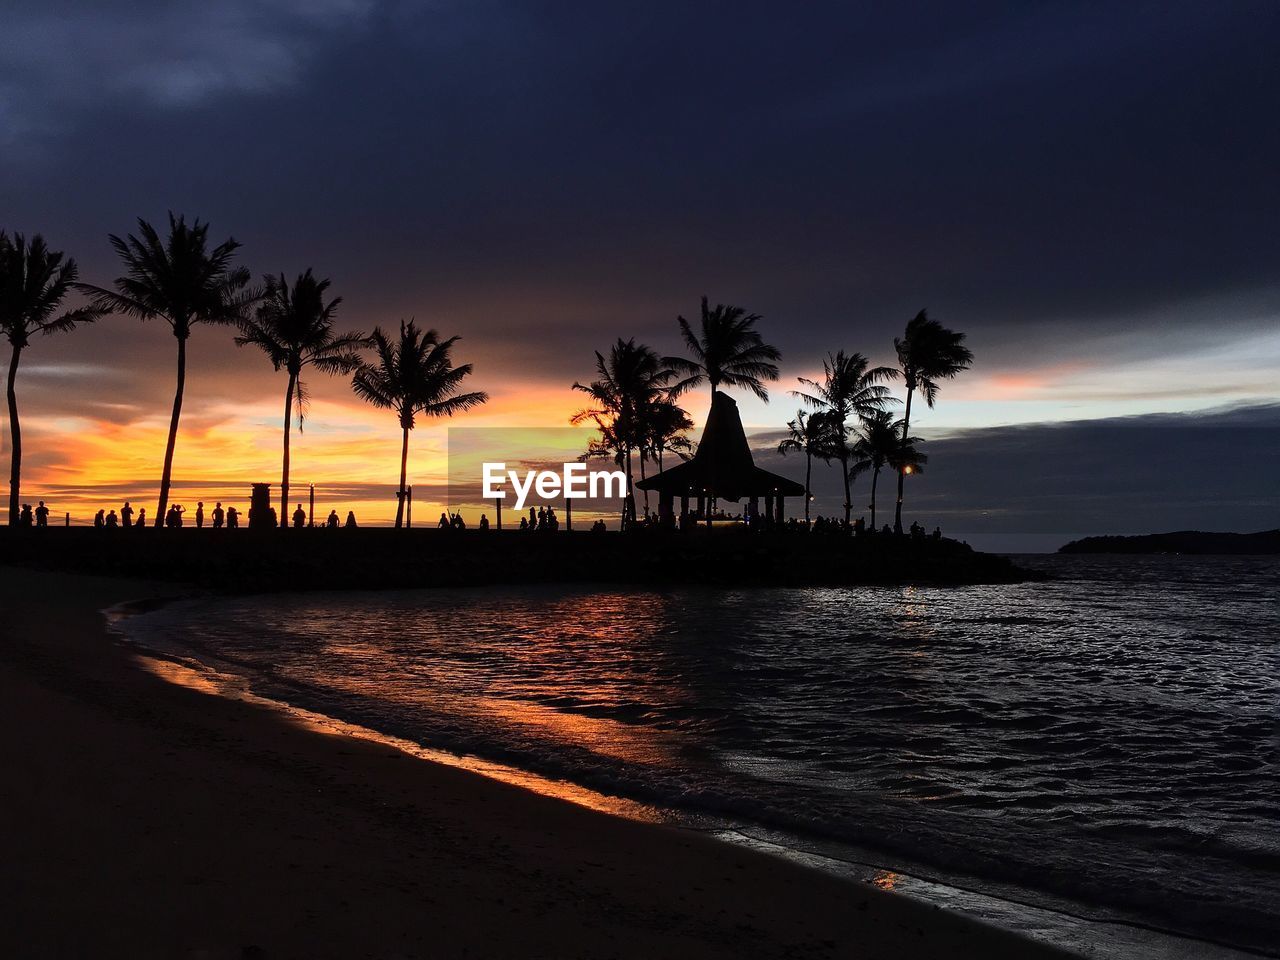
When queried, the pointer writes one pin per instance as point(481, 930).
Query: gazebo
point(722, 468)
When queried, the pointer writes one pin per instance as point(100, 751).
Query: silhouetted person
point(218, 515)
point(174, 518)
point(233, 518)
point(142, 518)
point(444, 522)
point(24, 516)
point(42, 515)
point(937, 533)
point(351, 520)
point(524, 523)
point(112, 520)
point(484, 522)
point(533, 519)
point(299, 518)
point(99, 518)
point(332, 522)
point(199, 514)
point(126, 515)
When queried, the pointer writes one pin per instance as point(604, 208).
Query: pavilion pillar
point(768, 508)
point(684, 509)
point(753, 511)
point(666, 508)
point(568, 513)
point(498, 501)
point(780, 499)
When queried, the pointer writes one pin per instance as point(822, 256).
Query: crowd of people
point(217, 518)
point(173, 519)
point(540, 518)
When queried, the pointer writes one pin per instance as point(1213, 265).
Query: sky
point(1089, 191)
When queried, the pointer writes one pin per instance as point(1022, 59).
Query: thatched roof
point(723, 466)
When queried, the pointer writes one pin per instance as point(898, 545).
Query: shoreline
point(149, 819)
point(1066, 924)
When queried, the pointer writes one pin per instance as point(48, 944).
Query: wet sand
point(143, 819)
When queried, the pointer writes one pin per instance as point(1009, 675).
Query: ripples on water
point(1109, 737)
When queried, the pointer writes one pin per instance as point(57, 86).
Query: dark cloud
point(1079, 184)
point(1014, 167)
point(1218, 470)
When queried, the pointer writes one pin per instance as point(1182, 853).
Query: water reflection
point(1102, 719)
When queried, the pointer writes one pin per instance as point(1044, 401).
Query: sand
point(145, 819)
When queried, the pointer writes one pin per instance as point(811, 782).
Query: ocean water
point(1103, 744)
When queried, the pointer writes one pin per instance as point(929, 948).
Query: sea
point(1091, 759)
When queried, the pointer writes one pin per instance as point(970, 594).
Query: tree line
point(183, 281)
point(848, 420)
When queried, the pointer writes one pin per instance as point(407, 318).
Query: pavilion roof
point(722, 466)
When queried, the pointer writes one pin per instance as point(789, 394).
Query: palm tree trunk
point(15, 433)
point(906, 432)
point(844, 474)
point(404, 470)
point(284, 470)
point(875, 475)
point(808, 472)
point(642, 478)
point(629, 505)
point(167, 474)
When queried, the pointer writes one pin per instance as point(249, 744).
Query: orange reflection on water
point(213, 683)
point(885, 879)
point(606, 737)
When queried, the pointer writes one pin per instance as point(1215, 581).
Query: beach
point(142, 818)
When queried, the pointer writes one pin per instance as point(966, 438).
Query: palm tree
point(182, 282)
point(850, 388)
point(927, 352)
point(879, 444)
point(665, 424)
point(629, 382)
point(33, 282)
point(728, 351)
point(812, 435)
point(413, 375)
point(661, 424)
point(294, 328)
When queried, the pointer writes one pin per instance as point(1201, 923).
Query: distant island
point(1183, 541)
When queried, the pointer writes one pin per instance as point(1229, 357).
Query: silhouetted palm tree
point(183, 283)
point(665, 426)
point(661, 424)
point(33, 282)
point(727, 350)
point(813, 435)
point(628, 382)
point(879, 444)
point(850, 388)
point(414, 375)
point(927, 352)
point(294, 328)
